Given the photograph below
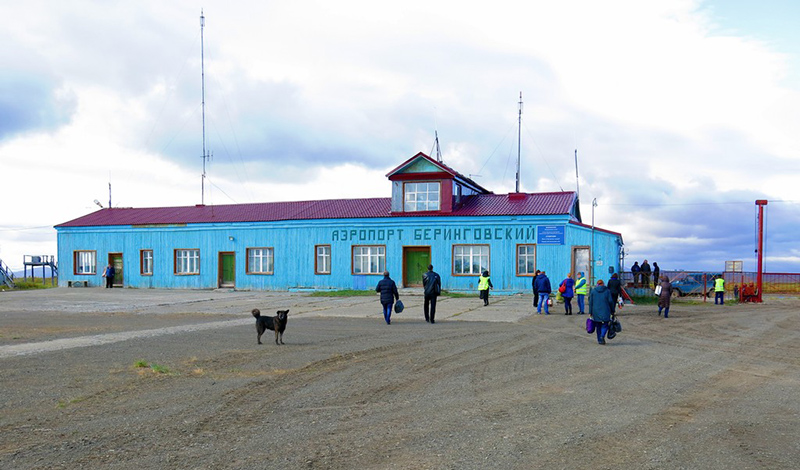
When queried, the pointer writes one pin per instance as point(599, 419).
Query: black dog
point(276, 324)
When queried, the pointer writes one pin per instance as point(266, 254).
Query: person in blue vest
point(581, 289)
point(433, 287)
point(569, 292)
point(484, 284)
point(636, 271)
point(600, 309)
point(388, 291)
point(719, 291)
point(543, 288)
point(109, 273)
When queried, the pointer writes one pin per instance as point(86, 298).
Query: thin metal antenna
point(109, 195)
point(438, 150)
point(203, 88)
point(519, 140)
point(577, 181)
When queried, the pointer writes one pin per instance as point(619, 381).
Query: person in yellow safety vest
point(484, 284)
point(581, 289)
point(719, 291)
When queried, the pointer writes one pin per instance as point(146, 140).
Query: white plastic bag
point(658, 290)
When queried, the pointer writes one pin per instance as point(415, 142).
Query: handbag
point(658, 290)
point(562, 288)
point(589, 325)
point(616, 325)
point(398, 306)
point(612, 333)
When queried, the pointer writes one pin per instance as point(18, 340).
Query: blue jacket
point(569, 283)
point(388, 290)
point(601, 304)
point(543, 284)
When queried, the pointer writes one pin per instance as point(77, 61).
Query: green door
point(415, 264)
point(116, 261)
point(227, 270)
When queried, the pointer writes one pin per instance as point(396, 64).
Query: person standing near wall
point(581, 289)
point(665, 296)
point(568, 293)
point(600, 309)
point(719, 291)
point(543, 288)
point(109, 273)
point(615, 287)
point(484, 284)
point(433, 287)
point(535, 290)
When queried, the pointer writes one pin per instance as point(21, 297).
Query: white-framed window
point(187, 261)
point(322, 262)
point(470, 260)
point(421, 196)
point(85, 262)
point(260, 261)
point(526, 260)
point(369, 259)
point(146, 262)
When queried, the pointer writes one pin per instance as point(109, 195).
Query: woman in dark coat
point(568, 294)
point(615, 287)
point(600, 304)
point(535, 289)
point(665, 296)
point(388, 290)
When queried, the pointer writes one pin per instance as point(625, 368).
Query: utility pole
point(761, 203)
point(203, 105)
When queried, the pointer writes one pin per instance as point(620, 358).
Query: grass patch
point(156, 368)
point(140, 364)
point(159, 369)
point(33, 283)
point(344, 293)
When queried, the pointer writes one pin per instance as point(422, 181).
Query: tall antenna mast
point(519, 139)
point(577, 181)
point(438, 150)
point(203, 87)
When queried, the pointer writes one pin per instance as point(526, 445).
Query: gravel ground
point(485, 387)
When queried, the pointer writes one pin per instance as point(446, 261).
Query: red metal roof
point(560, 203)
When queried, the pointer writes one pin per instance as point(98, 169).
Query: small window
point(85, 262)
point(260, 261)
point(421, 197)
point(526, 260)
point(369, 259)
point(187, 261)
point(322, 262)
point(146, 262)
point(470, 260)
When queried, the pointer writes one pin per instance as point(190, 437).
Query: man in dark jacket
point(646, 272)
point(535, 292)
point(388, 290)
point(543, 288)
point(600, 308)
point(615, 287)
point(433, 287)
point(656, 274)
point(636, 271)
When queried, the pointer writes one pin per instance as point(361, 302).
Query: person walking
point(636, 271)
point(581, 289)
point(656, 274)
point(664, 296)
point(484, 284)
point(543, 288)
point(600, 309)
point(646, 275)
point(388, 291)
point(535, 290)
point(719, 291)
point(433, 287)
point(109, 273)
point(568, 293)
point(615, 287)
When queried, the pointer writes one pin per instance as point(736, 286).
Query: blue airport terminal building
point(435, 216)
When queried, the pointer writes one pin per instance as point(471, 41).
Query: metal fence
point(699, 283)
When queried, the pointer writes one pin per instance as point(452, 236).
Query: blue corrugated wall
point(294, 250)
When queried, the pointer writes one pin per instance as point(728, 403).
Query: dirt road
point(494, 387)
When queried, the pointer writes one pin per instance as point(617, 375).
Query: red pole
point(759, 274)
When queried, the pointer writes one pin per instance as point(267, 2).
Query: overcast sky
point(683, 112)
